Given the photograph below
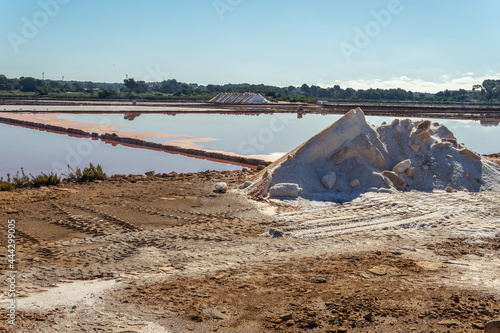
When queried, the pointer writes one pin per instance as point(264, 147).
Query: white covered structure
point(235, 98)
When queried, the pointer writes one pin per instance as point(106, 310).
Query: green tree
point(29, 84)
point(42, 90)
point(132, 85)
point(171, 86)
point(5, 83)
point(186, 89)
point(54, 85)
point(347, 93)
point(77, 87)
point(89, 87)
point(66, 87)
point(491, 88)
point(212, 88)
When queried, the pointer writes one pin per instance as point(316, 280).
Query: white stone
point(402, 166)
point(221, 187)
point(329, 180)
point(282, 190)
point(354, 183)
point(411, 172)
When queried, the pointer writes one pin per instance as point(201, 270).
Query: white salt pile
point(351, 157)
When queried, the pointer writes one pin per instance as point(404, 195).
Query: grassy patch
point(88, 174)
point(21, 180)
point(45, 180)
point(6, 186)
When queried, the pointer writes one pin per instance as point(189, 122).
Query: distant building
point(234, 98)
point(322, 102)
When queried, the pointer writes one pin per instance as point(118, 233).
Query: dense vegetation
point(488, 91)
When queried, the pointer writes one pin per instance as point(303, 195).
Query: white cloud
point(417, 85)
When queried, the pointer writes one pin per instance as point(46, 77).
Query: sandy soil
point(167, 254)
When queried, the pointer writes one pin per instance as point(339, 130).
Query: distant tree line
point(45, 87)
point(488, 91)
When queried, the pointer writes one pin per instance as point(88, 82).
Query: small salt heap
point(351, 157)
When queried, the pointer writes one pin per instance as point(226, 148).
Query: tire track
point(452, 211)
point(97, 223)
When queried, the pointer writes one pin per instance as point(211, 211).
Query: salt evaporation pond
point(263, 134)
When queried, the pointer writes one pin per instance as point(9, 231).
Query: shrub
point(45, 180)
point(6, 186)
point(87, 175)
point(20, 181)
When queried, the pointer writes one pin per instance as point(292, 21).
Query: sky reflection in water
point(264, 134)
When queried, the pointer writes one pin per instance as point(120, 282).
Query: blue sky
point(420, 45)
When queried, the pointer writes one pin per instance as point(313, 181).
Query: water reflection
point(488, 122)
point(131, 115)
point(43, 151)
point(268, 134)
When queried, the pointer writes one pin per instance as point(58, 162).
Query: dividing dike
point(214, 156)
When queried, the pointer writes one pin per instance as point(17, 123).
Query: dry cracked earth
point(166, 253)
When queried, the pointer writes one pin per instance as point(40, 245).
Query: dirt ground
point(166, 253)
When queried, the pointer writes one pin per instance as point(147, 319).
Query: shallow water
point(262, 134)
point(38, 151)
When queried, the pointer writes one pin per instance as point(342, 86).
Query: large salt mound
point(351, 157)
